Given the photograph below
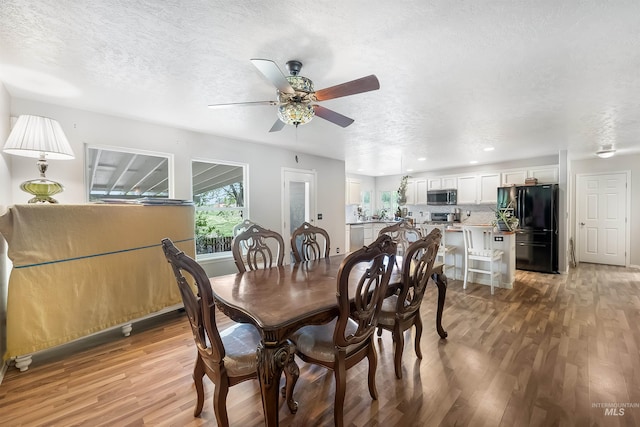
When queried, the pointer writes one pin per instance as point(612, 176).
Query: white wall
point(265, 164)
point(617, 163)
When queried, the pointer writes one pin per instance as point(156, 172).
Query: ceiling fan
point(297, 98)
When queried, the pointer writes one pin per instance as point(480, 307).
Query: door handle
point(582, 223)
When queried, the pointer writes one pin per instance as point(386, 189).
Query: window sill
point(220, 256)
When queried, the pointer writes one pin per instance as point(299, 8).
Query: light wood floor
point(546, 353)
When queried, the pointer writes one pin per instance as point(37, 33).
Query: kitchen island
point(503, 240)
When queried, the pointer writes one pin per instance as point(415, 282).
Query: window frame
point(168, 156)
point(244, 209)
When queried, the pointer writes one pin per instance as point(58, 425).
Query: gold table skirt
point(80, 269)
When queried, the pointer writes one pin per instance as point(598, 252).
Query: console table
point(81, 269)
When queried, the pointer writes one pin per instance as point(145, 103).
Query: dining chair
point(227, 357)
point(478, 248)
point(446, 253)
point(401, 311)
point(305, 245)
point(362, 281)
point(241, 226)
point(254, 249)
point(403, 233)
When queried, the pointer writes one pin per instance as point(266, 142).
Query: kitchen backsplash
point(480, 214)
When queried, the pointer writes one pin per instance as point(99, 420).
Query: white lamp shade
point(33, 136)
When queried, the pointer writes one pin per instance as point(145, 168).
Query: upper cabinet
point(411, 192)
point(544, 174)
point(444, 182)
point(417, 191)
point(421, 192)
point(514, 177)
point(467, 190)
point(353, 192)
point(488, 184)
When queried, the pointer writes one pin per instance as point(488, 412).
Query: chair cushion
point(240, 344)
point(387, 314)
point(316, 341)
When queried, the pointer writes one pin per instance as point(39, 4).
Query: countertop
point(373, 221)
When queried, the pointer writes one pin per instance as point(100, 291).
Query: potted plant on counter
point(505, 220)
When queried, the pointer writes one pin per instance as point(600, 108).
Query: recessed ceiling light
point(473, 162)
point(489, 148)
point(409, 170)
point(360, 170)
point(422, 159)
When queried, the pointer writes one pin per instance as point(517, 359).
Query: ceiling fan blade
point(364, 84)
point(271, 71)
point(277, 126)
point(243, 104)
point(332, 116)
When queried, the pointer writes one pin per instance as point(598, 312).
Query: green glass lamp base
point(42, 190)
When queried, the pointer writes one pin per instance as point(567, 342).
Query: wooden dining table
point(280, 300)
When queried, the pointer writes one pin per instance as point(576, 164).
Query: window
point(388, 203)
point(115, 173)
point(219, 192)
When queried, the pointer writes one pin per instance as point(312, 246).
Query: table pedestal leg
point(271, 361)
point(441, 282)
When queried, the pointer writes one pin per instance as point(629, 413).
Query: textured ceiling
point(529, 78)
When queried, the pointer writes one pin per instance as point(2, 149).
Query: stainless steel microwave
point(442, 197)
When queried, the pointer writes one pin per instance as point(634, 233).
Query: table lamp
point(41, 137)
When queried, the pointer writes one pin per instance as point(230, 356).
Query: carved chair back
point(305, 245)
point(199, 306)
point(417, 267)
point(403, 233)
point(257, 248)
point(373, 264)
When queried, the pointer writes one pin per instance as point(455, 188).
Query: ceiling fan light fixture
point(300, 84)
point(296, 113)
point(606, 151)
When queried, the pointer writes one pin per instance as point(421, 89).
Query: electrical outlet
point(337, 250)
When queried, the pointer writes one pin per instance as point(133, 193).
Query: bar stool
point(478, 248)
point(444, 250)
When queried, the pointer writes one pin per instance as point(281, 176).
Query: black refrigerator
point(536, 207)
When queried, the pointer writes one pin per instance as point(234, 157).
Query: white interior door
point(298, 202)
point(601, 201)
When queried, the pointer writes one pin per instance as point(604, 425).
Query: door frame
point(313, 201)
point(627, 226)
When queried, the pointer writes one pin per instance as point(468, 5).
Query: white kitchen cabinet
point(421, 192)
point(449, 182)
point(368, 234)
point(434, 183)
point(417, 192)
point(544, 174)
point(443, 182)
point(353, 192)
point(488, 188)
point(411, 192)
point(467, 190)
point(347, 237)
point(514, 177)
point(376, 229)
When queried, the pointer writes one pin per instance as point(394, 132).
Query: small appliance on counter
point(453, 216)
